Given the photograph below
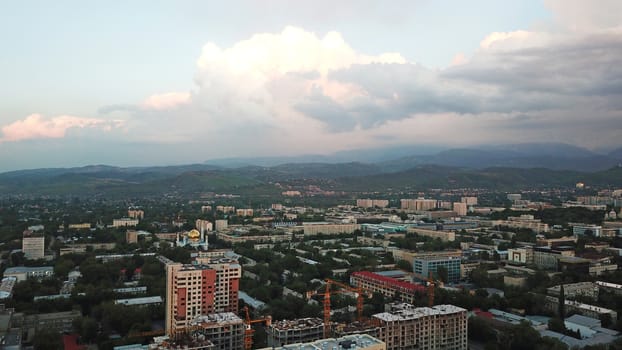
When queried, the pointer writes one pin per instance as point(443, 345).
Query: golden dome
point(194, 235)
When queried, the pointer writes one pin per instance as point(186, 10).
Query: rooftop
point(390, 281)
point(349, 342)
point(299, 323)
point(217, 318)
point(407, 312)
point(139, 301)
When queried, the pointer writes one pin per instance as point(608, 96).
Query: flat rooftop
point(299, 323)
point(406, 312)
point(348, 342)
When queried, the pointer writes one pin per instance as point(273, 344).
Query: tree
point(562, 303)
point(442, 274)
point(47, 339)
point(404, 265)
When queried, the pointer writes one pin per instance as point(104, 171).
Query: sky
point(172, 82)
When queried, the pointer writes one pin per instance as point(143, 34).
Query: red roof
point(390, 281)
point(481, 313)
point(70, 342)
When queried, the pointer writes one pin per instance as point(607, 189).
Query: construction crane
point(248, 331)
point(430, 284)
point(326, 301)
point(358, 291)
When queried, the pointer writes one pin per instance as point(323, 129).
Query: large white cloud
point(297, 91)
point(35, 126)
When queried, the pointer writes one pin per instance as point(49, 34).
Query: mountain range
point(501, 167)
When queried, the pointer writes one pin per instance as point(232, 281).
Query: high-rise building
point(33, 244)
point(228, 274)
point(195, 290)
point(409, 327)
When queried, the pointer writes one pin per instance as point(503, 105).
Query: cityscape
point(353, 175)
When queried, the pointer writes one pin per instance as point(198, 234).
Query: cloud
point(35, 126)
point(166, 100)
point(297, 90)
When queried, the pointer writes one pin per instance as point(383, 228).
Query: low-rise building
point(573, 290)
point(585, 229)
point(22, 273)
point(445, 236)
point(521, 256)
point(327, 228)
point(124, 222)
point(389, 287)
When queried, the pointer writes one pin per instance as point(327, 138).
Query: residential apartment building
point(221, 225)
point(327, 228)
point(372, 203)
point(445, 236)
point(469, 200)
point(198, 290)
point(524, 221)
point(460, 208)
point(228, 274)
point(419, 204)
point(225, 209)
point(203, 226)
point(124, 222)
point(408, 327)
point(389, 287)
point(244, 212)
point(135, 214)
point(33, 244)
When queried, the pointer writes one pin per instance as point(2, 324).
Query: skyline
point(171, 83)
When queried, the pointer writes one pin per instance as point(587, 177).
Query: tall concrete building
point(197, 290)
point(408, 327)
point(33, 245)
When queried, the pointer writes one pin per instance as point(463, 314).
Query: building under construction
point(410, 327)
point(224, 330)
point(356, 327)
point(300, 330)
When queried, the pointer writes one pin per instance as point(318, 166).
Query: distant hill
point(537, 155)
point(616, 154)
point(501, 167)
